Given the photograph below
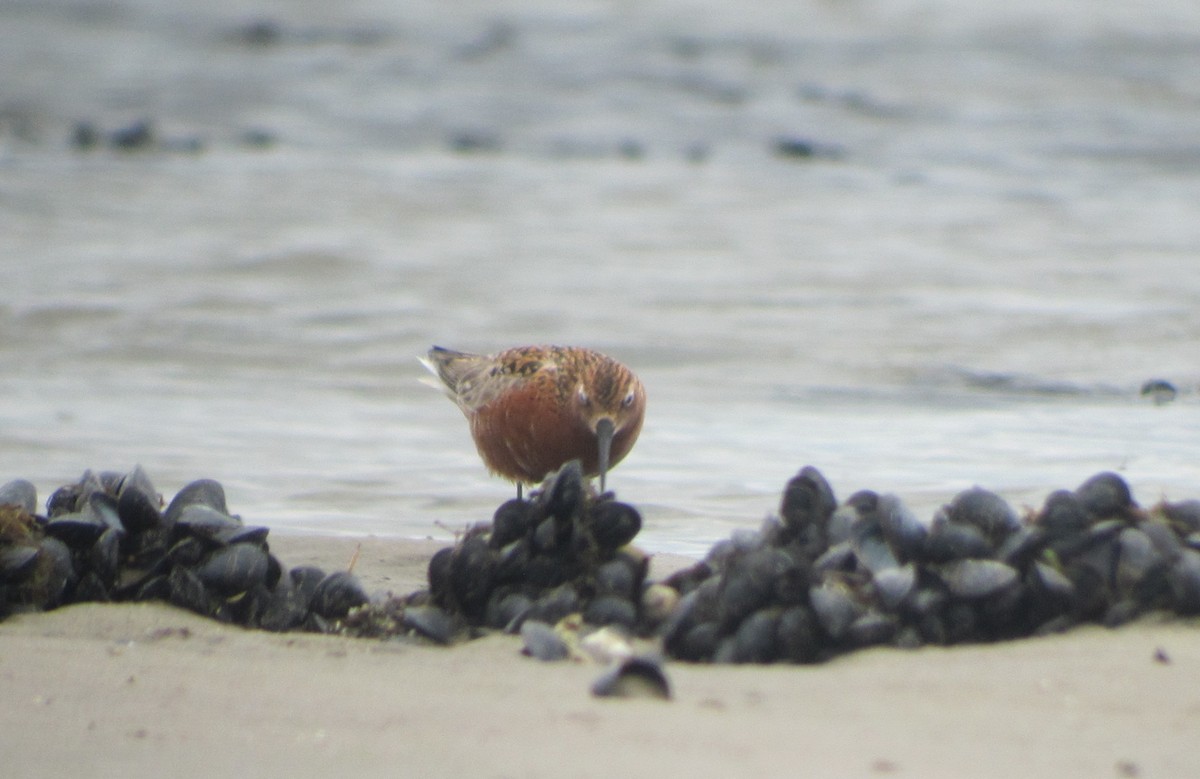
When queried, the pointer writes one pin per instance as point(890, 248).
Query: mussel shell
point(433, 623)
point(613, 524)
point(1105, 495)
point(871, 629)
point(949, 541)
point(807, 504)
point(698, 643)
point(1138, 559)
point(184, 589)
point(1184, 580)
point(541, 641)
point(337, 593)
point(78, 531)
point(202, 492)
point(749, 584)
point(834, 607)
point(903, 531)
point(798, 635)
point(286, 607)
point(506, 610)
point(611, 610)
point(438, 575)
point(984, 510)
point(555, 604)
point(19, 493)
point(1185, 514)
point(562, 493)
point(970, 579)
point(512, 521)
point(871, 549)
point(635, 677)
point(658, 601)
point(754, 641)
point(473, 569)
point(894, 585)
point(138, 511)
point(233, 569)
point(104, 558)
point(89, 589)
point(53, 575)
point(17, 563)
point(1063, 515)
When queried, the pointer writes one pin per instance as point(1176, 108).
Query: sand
point(149, 690)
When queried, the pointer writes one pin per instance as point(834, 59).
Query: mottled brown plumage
point(534, 408)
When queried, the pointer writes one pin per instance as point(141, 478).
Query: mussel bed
point(818, 578)
point(107, 538)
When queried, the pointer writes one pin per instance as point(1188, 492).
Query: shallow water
point(993, 244)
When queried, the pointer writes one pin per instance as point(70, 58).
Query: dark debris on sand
point(817, 579)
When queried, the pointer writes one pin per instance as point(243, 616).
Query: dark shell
point(1105, 495)
point(472, 575)
point(202, 492)
point(749, 584)
point(555, 604)
point(1185, 514)
point(562, 494)
point(984, 510)
point(512, 562)
point(613, 524)
point(17, 563)
point(1184, 580)
point(1138, 559)
point(90, 589)
point(104, 558)
point(53, 574)
point(807, 504)
point(184, 589)
point(138, 502)
point(233, 569)
point(286, 607)
point(203, 521)
point(432, 623)
point(19, 493)
point(798, 636)
point(903, 531)
point(754, 640)
point(699, 643)
point(871, 629)
point(337, 594)
point(894, 585)
point(834, 607)
point(438, 574)
point(512, 521)
point(977, 578)
point(506, 610)
point(611, 610)
point(541, 641)
point(78, 530)
point(949, 541)
point(637, 677)
point(1063, 515)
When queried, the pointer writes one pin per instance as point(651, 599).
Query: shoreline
point(128, 689)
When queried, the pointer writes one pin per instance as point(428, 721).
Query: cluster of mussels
point(823, 578)
point(107, 538)
point(562, 552)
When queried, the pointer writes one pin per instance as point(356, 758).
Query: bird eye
point(627, 401)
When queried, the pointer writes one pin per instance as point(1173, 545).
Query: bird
point(532, 409)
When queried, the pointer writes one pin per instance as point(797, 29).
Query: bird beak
point(604, 436)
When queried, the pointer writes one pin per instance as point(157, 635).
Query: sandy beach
point(139, 690)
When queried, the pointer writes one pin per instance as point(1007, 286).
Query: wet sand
point(143, 690)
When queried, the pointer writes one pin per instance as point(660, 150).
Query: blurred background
point(919, 245)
